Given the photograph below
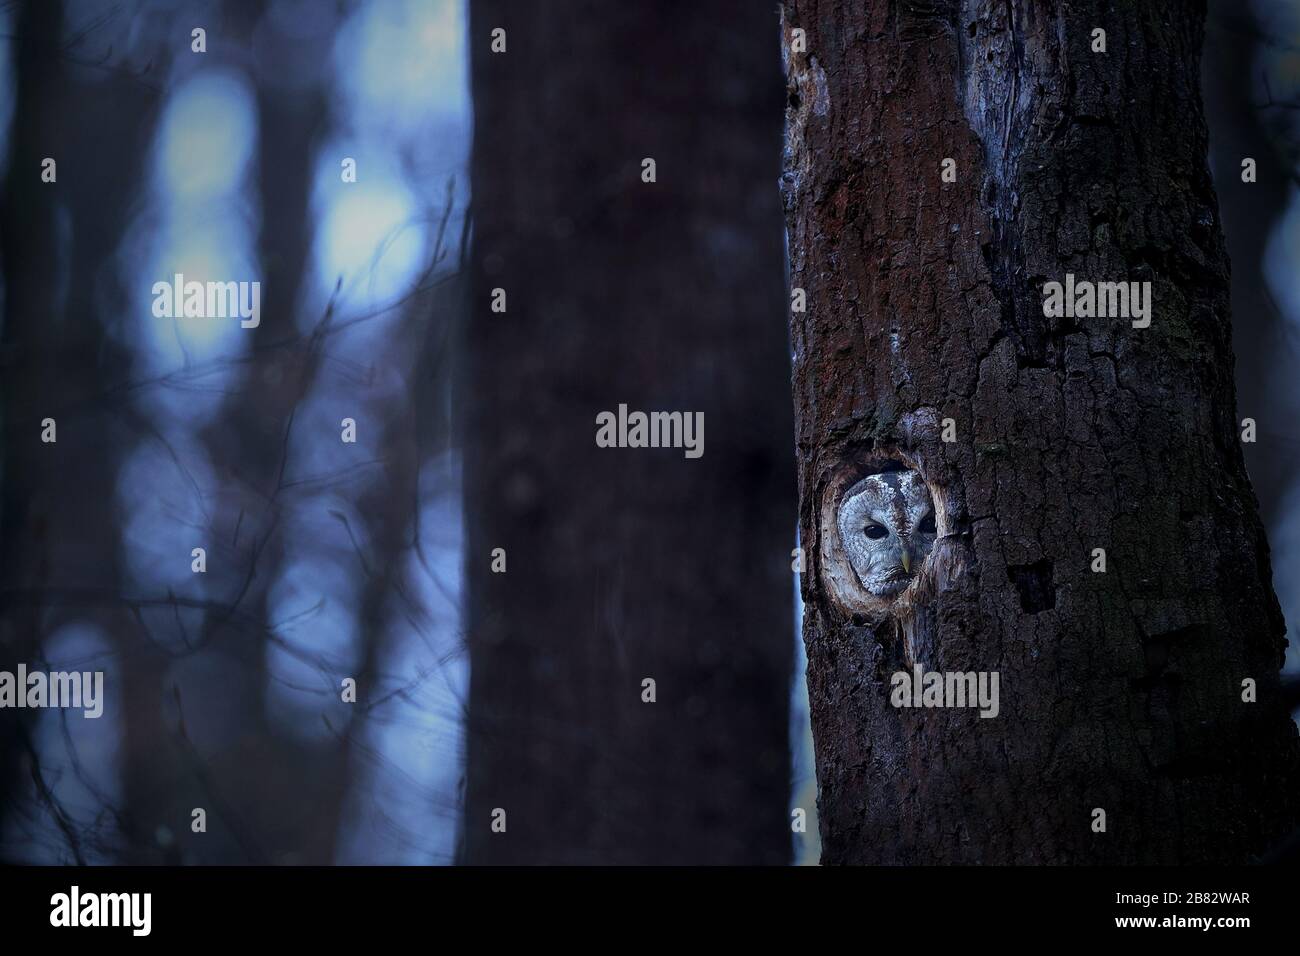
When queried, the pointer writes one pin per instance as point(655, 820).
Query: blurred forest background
point(370, 560)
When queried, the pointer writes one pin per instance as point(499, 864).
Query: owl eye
point(927, 524)
point(874, 531)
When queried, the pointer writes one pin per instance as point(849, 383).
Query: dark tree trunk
point(109, 122)
point(1119, 690)
point(31, 253)
point(60, 531)
point(626, 564)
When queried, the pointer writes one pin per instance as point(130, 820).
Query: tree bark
point(1119, 690)
point(623, 563)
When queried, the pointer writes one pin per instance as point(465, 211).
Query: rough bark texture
point(1119, 690)
point(625, 564)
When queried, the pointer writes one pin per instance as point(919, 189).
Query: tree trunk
point(60, 536)
point(627, 563)
point(1119, 690)
point(28, 345)
point(111, 118)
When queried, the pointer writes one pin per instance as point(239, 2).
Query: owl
point(887, 527)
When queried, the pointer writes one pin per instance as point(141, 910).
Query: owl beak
point(907, 561)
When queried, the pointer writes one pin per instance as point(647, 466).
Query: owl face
point(886, 523)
